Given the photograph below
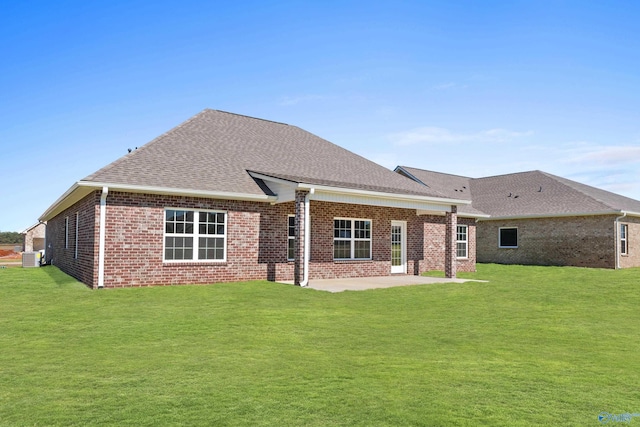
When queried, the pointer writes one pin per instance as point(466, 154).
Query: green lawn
point(533, 346)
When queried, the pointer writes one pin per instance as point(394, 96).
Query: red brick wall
point(256, 241)
point(632, 259)
point(585, 241)
point(82, 268)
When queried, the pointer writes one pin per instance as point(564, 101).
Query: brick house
point(33, 238)
point(542, 219)
point(224, 197)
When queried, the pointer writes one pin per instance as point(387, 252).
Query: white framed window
point(462, 241)
point(195, 235)
point(624, 244)
point(508, 237)
point(75, 247)
point(66, 232)
point(351, 238)
point(291, 237)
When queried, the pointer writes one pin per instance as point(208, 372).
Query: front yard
point(533, 346)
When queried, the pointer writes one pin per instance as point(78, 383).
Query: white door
point(398, 247)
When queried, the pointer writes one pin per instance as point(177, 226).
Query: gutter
point(616, 236)
point(103, 226)
point(307, 238)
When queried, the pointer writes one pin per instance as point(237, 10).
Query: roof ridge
point(432, 171)
point(507, 174)
point(145, 145)
point(244, 115)
point(562, 181)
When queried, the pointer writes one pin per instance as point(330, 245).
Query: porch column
point(298, 265)
point(450, 243)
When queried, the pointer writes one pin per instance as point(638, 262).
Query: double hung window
point(624, 245)
point(462, 241)
point(351, 238)
point(191, 235)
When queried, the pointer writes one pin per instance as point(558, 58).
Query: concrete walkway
point(364, 283)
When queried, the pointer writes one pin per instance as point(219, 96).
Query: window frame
point(500, 245)
point(465, 241)
point(75, 249)
point(624, 239)
point(66, 232)
point(195, 236)
point(291, 238)
point(352, 240)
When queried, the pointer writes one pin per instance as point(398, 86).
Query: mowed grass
point(533, 346)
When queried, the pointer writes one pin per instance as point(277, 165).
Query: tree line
point(7, 237)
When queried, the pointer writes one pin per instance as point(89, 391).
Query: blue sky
point(473, 88)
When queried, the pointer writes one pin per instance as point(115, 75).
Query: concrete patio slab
point(364, 283)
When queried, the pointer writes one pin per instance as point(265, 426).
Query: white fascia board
point(381, 195)
point(179, 192)
point(558, 215)
point(81, 188)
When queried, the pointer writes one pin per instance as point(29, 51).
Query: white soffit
point(378, 201)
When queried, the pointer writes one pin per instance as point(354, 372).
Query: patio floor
point(364, 283)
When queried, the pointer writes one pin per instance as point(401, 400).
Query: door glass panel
point(396, 245)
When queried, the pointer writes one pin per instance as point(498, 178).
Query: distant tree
point(10, 237)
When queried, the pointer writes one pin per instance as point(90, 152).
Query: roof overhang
point(81, 189)
point(561, 215)
point(356, 196)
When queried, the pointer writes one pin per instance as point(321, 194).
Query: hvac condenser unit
point(31, 259)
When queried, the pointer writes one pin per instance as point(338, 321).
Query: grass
point(533, 346)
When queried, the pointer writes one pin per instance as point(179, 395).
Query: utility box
point(31, 259)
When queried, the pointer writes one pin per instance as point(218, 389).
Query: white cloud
point(436, 135)
point(607, 155)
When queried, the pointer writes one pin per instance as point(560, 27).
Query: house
point(225, 197)
point(542, 219)
point(34, 238)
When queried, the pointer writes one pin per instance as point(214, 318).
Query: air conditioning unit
point(31, 259)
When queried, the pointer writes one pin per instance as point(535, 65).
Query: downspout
point(307, 238)
point(617, 239)
point(103, 226)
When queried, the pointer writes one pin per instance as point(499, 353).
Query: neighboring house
point(543, 219)
point(34, 238)
point(225, 197)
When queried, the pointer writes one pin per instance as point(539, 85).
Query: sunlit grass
point(532, 346)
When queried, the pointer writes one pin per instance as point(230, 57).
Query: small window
point(75, 249)
point(351, 238)
point(508, 237)
point(624, 245)
point(291, 253)
point(462, 241)
point(66, 232)
point(194, 235)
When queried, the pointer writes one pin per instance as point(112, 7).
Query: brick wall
point(633, 240)
point(84, 267)
point(585, 241)
point(256, 241)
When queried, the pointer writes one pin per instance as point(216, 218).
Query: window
point(66, 232)
point(508, 238)
point(624, 246)
point(75, 253)
point(194, 235)
point(462, 241)
point(351, 239)
point(291, 253)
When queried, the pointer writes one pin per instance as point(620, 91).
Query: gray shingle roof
point(214, 150)
point(532, 193)
point(453, 186)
